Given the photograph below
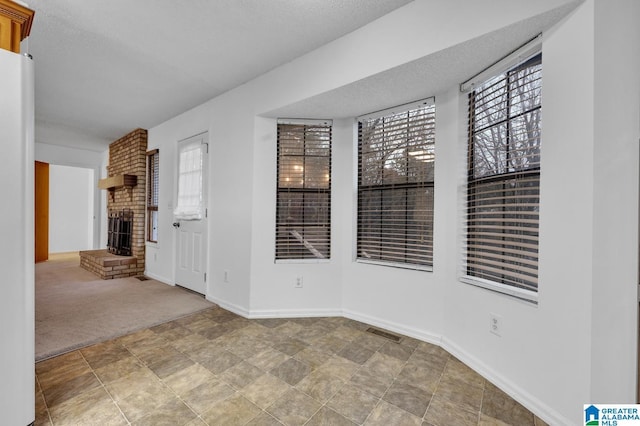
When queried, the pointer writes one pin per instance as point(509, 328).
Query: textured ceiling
point(425, 77)
point(106, 67)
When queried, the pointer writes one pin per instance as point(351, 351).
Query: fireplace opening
point(120, 226)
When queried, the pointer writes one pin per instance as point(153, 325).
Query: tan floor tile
point(423, 378)
point(265, 390)
point(92, 407)
point(294, 408)
point(353, 403)
point(386, 414)
point(264, 419)
point(55, 371)
point(340, 367)
point(235, 410)
point(268, 359)
point(291, 371)
point(119, 369)
point(445, 413)
point(356, 353)
point(105, 353)
point(288, 328)
point(346, 333)
point(408, 397)
point(139, 393)
point(290, 346)
point(370, 381)
point(330, 343)
point(396, 350)
point(370, 341)
point(241, 375)
point(168, 366)
point(211, 378)
point(202, 397)
point(314, 358)
point(460, 393)
point(384, 365)
point(457, 370)
point(173, 413)
point(41, 410)
point(327, 417)
point(320, 385)
point(490, 421)
point(432, 361)
point(246, 347)
point(189, 378)
point(500, 406)
point(70, 388)
point(190, 343)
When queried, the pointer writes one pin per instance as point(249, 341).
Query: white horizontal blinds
point(153, 190)
point(396, 155)
point(504, 177)
point(303, 226)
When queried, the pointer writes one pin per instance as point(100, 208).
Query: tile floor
point(216, 368)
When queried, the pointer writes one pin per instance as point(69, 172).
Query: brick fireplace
point(125, 186)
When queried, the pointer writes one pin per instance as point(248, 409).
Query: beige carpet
point(74, 308)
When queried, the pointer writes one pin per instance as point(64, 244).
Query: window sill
point(396, 265)
point(310, 261)
point(519, 293)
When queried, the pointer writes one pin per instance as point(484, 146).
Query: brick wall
point(127, 155)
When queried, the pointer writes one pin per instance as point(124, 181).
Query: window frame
point(521, 179)
point(389, 259)
point(314, 235)
point(153, 191)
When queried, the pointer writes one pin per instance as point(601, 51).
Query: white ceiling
point(104, 68)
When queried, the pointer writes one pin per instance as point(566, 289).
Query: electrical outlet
point(495, 324)
point(298, 282)
point(226, 276)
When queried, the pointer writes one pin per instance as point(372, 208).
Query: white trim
point(239, 310)
point(509, 290)
point(294, 313)
point(435, 339)
point(305, 121)
point(159, 278)
point(518, 56)
point(400, 265)
point(398, 109)
point(306, 260)
point(533, 404)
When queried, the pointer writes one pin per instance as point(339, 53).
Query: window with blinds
point(153, 163)
point(303, 210)
point(396, 157)
point(503, 183)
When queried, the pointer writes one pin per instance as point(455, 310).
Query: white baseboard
point(160, 278)
point(432, 338)
point(239, 310)
point(294, 313)
point(533, 404)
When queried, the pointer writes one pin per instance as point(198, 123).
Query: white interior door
point(190, 214)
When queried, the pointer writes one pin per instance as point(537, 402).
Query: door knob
point(176, 224)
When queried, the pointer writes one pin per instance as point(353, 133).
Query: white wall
point(86, 159)
point(17, 396)
point(551, 356)
point(71, 215)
